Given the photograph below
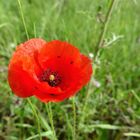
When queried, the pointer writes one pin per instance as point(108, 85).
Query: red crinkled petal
point(46, 93)
point(56, 53)
point(23, 68)
point(21, 81)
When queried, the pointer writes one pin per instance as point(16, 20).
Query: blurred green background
point(109, 107)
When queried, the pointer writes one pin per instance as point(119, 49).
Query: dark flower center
point(52, 78)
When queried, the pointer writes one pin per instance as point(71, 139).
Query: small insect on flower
point(51, 71)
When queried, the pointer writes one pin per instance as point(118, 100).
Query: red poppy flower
point(51, 71)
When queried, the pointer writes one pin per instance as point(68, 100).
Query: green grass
point(108, 112)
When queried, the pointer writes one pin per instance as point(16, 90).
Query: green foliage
point(109, 111)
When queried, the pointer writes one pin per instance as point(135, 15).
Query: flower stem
point(23, 19)
point(37, 118)
point(99, 45)
point(74, 118)
point(50, 114)
point(85, 104)
point(104, 27)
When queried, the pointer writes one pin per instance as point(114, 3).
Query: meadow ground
point(109, 107)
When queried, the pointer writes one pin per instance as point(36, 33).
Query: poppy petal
point(23, 65)
point(56, 53)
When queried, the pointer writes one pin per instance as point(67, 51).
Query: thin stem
point(99, 44)
point(135, 95)
point(37, 118)
point(23, 20)
point(85, 104)
point(104, 28)
point(74, 118)
point(34, 30)
point(50, 114)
